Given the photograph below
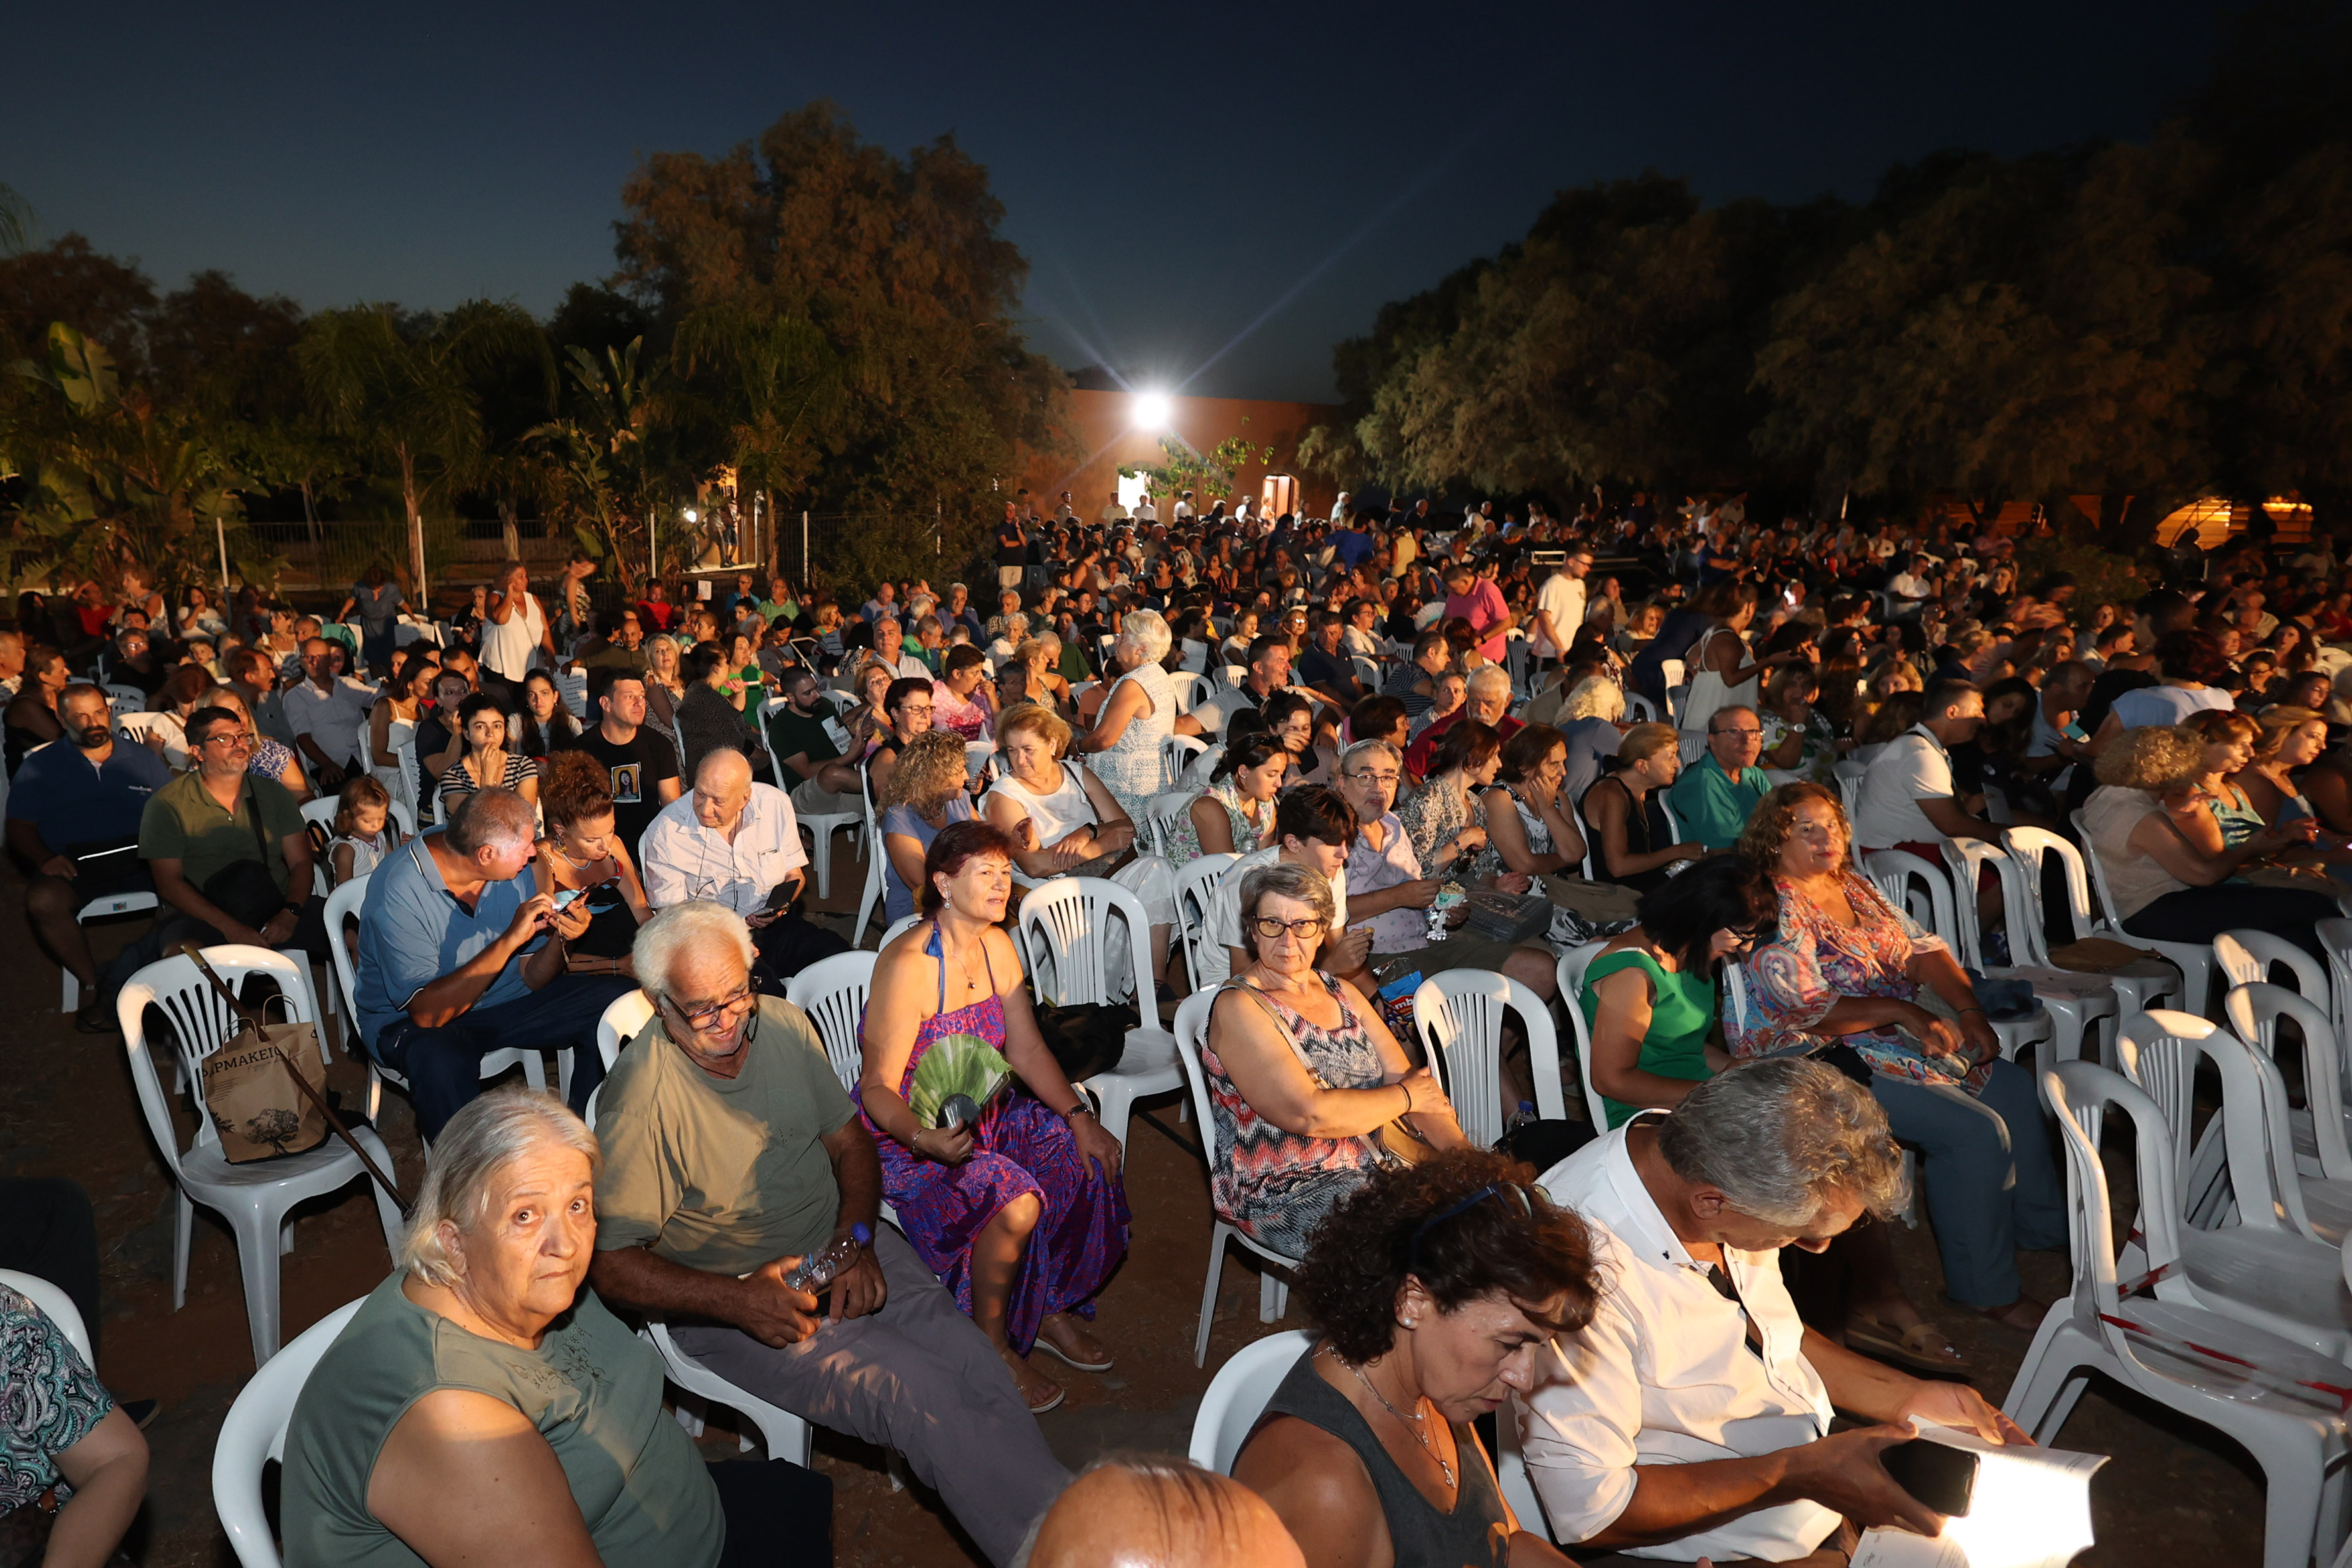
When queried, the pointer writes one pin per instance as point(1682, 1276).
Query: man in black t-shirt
point(805, 734)
point(643, 762)
point(1012, 550)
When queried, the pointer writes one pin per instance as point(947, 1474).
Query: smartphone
point(1942, 1477)
point(564, 896)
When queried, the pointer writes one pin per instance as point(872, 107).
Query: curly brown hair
point(576, 787)
point(1775, 817)
point(1375, 1237)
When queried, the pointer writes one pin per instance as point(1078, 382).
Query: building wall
point(1103, 425)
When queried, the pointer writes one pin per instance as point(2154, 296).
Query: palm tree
point(408, 393)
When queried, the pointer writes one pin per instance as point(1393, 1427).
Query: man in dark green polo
point(229, 849)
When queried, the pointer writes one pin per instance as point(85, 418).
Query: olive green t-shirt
point(591, 1388)
point(721, 1174)
point(183, 822)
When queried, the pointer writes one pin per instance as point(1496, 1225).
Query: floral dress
point(1184, 839)
point(1277, 1186)
point(53, 1399)
point(1019, 1148)
point(1815, 963)
point(1433, 815)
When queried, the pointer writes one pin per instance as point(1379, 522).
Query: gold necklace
point(1417, 1423)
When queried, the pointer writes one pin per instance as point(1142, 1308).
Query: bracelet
point(1977, 1011)
point(1080, 1109)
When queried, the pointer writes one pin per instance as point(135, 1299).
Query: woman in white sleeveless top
point(515, 628)
point(1721, 673)
point(1060, 817)
point(1137, 715)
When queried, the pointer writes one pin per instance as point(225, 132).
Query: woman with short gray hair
point(1137, 714)
point(483, 1381)
point(1302, 1074)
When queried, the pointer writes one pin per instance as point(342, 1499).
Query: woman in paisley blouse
point(1233, 814)
point(1302, 1074)
point(1847, 968)
point(62, 1441)
point(1446, 819)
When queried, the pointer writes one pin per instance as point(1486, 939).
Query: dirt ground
point(2176, 1493)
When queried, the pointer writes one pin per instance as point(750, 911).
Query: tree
point(608, 462)
point(404, 391)
point(1182, 468)
point(897, 268)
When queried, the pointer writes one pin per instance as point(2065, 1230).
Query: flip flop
point(1922, 1347)
point(1059, 1354)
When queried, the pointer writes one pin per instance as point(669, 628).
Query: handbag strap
point(1281, 1026)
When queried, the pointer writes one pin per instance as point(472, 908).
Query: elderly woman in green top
point(482, 1401)
point(1649, 997)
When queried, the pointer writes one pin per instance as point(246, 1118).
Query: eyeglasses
point(1380, 778)
point(1268, 928)
point(229, 737)
point(1737, 734)
point(1518, 1197)
point(705, 1020)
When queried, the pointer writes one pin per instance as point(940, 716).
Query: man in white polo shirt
point(737, 842)
point(1691, 1417)
point(1906, 800)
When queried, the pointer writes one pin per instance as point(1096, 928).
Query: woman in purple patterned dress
point(1023, 1214)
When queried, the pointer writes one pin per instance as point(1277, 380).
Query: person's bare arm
point(1945, 814)
point(1840, 1472)
point(1268, 1075)
point(1436, 1121)
point(1035, 859)
point(1316, 1485)
point(300, 877)
point(1620, 1024)
point(1876, 1392)
point(1124, 706)
point(107, 1471)
point(2157, 837)
point(27, 841)
point(1508, 834)
point(1418, 894)
point(857, 1176)
point(759, 1303)
point(1211, 823)
point(465, 1479)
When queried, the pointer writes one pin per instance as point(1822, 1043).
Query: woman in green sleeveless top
point(1649, 997)
point(1367, 1449)
point(482, 1396)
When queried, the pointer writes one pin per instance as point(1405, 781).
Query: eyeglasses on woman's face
point(1271, 929)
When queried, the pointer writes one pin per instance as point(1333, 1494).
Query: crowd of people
point(1660, 738)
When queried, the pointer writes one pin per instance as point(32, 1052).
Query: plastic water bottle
point(818, 1269)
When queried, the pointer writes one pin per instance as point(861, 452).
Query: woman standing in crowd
point(1136, 716)
point(1302, 1074)
point(1022, 1213)
point(582, 858)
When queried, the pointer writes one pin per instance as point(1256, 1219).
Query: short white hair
point(698, 923)
point(1488, 677)
point(1595, 697)
point(1146, 633)
point(486, 1135)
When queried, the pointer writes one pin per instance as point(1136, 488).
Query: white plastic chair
point(878, 862)
point(1176, 752)
point(2146, 983)
point(1569, 973)
point(2072, 1002)
point(2247, 957)
point(2313, 1168)
point(254, 1433)
point(573, 687)
point(1273, 1294)
point(1239, 1395)
point(977, 754)
point(897, 929)
point(253, 1198)
point(1065, 927)
point(1159, 811)
point(55, 1306)
point(820, 825)
point(124, 903)
point(785, 1434)
point(2258, 1270)
point(1921, 890)
point(1849, 776)
point(2335, 938)
point(1196, 894)
point(2253, 1386)
point(122, 699)
point(1459, 1014)
point(2194, 958)
point(832, 993)
point(623, 1019)
point(1188, 684)
point(343, 904)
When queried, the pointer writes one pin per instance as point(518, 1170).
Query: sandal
point(1922, 1347)
point(1044, 1343)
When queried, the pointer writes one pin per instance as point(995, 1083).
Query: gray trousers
point(918, 1377)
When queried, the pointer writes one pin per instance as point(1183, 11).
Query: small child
point(363, 834)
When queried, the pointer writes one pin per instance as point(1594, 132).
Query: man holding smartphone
point(1691, 1417)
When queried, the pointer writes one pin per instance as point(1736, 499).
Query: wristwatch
point(1081, 1109)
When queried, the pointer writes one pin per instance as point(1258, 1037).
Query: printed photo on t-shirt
point(626, 784)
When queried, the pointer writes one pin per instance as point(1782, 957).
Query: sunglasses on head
point(1516, 1198)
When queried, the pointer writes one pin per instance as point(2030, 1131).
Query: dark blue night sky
point(1240, 185)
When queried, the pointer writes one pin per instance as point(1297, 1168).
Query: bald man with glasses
point(1717, 794)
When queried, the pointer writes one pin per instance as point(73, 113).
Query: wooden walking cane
point(342, 1131)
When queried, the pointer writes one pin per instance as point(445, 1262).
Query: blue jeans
point(1990, 1176)
point(444, 1066)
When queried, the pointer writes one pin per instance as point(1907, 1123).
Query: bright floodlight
point(1153, 410)
point(691, 514)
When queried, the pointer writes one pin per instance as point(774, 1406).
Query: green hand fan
point(955, 1064)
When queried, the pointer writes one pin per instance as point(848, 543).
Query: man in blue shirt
point(455, 960)
point(1717, 795)
point(73, 820)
